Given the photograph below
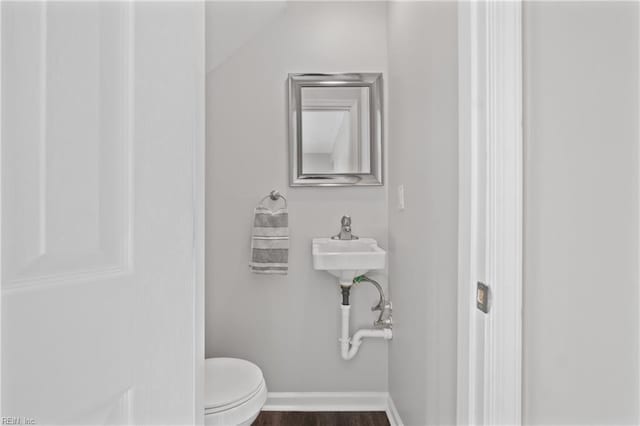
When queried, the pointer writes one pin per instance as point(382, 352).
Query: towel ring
point(275, 195)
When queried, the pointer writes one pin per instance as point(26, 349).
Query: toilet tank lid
point(230, 380)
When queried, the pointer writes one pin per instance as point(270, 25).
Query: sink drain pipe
point(350, 345)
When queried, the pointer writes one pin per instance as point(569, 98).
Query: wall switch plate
point(483, 294)
point(401, 197)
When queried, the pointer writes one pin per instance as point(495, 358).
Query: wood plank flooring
point(310, 418)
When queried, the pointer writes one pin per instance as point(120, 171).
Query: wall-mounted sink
point(347, 259)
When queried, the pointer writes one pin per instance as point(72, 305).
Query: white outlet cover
point(401, 197)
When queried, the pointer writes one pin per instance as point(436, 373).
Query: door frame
point(1, 193)
point(490, 110)
point(199, 183)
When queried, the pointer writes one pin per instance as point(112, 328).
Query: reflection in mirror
point(335, 130)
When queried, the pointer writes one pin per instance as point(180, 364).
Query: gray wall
point(288, 325)
point(581, 256)
point(423, 155)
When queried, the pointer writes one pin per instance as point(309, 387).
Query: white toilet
point(235, 392)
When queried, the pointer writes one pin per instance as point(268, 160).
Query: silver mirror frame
point(371, 80)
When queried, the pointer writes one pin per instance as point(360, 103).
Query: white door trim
point(1, 196)
point(490, 111)
point(199, 167)
point(467, 196)
point(638, 183)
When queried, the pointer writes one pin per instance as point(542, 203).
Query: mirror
point(335, 126)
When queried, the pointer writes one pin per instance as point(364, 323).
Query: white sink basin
point(347, 259)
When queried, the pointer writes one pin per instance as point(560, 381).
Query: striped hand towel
point(270, 241)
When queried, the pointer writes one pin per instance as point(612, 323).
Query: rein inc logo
point(17, 421)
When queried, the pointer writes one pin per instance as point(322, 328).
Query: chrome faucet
point(345, 230)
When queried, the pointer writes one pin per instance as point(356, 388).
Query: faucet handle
point(346, 220)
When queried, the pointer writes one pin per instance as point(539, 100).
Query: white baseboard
point(327, 401)
point(392, 413)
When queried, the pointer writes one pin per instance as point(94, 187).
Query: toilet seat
point(235, 391)
point(229, 382)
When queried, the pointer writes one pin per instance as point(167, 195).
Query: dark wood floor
point(295, 418)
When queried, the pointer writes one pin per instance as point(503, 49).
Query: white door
point(101, 123)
